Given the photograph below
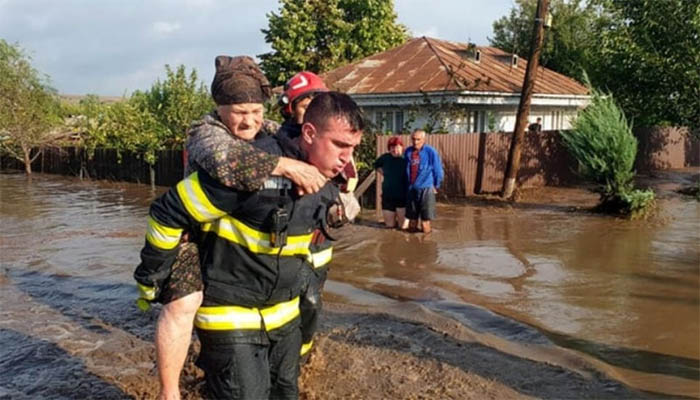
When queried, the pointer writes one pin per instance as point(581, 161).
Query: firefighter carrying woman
point(259, 250)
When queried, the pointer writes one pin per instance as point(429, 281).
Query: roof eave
point(468, 97)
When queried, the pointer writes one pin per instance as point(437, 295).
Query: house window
point(389, 121)
point(476, 121)
point(557, 120)
point(398, 121)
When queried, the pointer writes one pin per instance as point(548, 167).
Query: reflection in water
point(625, 293)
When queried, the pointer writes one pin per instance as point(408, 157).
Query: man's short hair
point(329, 105)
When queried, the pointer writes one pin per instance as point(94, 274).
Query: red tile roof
point(428, 65)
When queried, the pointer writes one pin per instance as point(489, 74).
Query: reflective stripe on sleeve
point(257, 242)
point(147, 292)
point(161, 236)
point(216, 318)
point(195, 201)
point(321, 258)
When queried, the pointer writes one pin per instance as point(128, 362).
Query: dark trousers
point(252, 371)
point(310, 303)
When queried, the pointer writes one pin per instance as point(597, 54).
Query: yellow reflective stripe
point(226, 318)
point(195, 201)
point(147, 292)
point(161, 236)
point(321, 258)
point(306, 347)
point(279, 314)
point(234, 317)
point(258, 242)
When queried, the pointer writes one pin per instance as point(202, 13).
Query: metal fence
point(106, 164)
point(474, 162)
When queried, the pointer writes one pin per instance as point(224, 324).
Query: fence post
point(152, 172)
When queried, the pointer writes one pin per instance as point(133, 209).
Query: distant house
point(454, 87)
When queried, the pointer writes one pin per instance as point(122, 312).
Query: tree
point(125, 126)
point(148, 121)
point(570, 43)
point(649, 58)
point(174, 103)
point(602, 142)
point(29, 107)
point(644, 52)
point(373, 27)
point(319, 35)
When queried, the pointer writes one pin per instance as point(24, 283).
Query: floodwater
point(625, 295)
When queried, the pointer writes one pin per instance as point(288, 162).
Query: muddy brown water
point(623, 295)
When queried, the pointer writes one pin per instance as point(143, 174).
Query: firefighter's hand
point(307, 178)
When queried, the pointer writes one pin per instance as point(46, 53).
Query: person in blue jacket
point(424, 169)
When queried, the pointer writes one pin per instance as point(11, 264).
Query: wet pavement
point(624, 294)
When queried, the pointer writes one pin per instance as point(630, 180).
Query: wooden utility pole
point(513, 164)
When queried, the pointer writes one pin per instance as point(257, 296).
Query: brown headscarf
point(239, 80)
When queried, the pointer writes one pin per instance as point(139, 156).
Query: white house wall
point(556, 111)
point(553, 118)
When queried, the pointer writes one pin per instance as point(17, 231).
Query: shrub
point(602, 142)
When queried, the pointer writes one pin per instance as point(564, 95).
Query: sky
point(113, 47)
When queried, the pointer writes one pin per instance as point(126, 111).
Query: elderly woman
point(392, 165)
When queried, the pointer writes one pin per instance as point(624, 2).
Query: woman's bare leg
point(401, 218)
point(173, 335)
point(389, 218)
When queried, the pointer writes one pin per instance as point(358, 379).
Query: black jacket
point(240, 265)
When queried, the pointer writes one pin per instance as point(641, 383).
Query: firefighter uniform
point(314, 277)
point(255, 251)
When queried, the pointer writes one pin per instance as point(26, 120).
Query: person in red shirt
point(392, 166)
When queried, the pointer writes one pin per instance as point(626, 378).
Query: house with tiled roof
point(454, 87)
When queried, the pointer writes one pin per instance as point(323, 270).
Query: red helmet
point(299, 86)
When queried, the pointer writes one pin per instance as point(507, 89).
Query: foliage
point(319, 35)
point(126, 126)
point(149, 120)
point(602, 142)
point(373, 27)
point(29, 107)
point(570, 43)
point(365, 154)
point(146, 122)
point(645, 52)
point(174, 103)
point(84, 118)
point(649, 57)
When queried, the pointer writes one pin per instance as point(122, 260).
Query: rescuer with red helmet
point(298, 92)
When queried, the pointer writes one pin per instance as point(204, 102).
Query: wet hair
point(328, 105)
